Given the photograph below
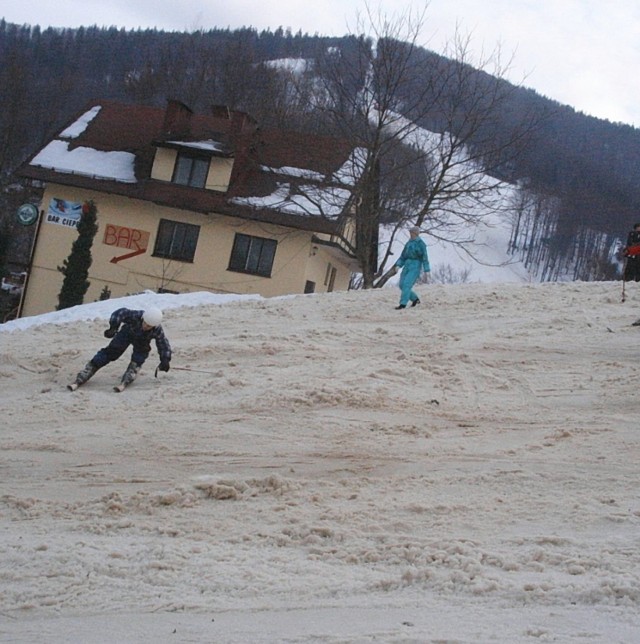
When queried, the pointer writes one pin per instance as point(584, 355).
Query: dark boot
point(402, 306)
point(130, 374)
point(89, 370)
point(415, 302)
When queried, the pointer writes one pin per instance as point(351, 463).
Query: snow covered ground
point(324, 468)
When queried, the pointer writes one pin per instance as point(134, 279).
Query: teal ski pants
point(409, 276)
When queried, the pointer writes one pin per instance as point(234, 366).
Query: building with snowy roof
point(189, 202)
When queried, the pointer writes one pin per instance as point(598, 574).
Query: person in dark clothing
point(129, 328)
point(632, 254)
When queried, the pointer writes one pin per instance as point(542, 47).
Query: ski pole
point(212, 373)
point(624, 274)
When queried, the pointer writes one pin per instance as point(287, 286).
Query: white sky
point(582, 53)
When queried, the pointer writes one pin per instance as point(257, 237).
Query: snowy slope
point(474, 249)
point(326, 468)
point(485, 260)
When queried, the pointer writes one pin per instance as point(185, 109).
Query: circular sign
point(27, 214)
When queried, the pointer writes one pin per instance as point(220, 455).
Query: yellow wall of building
point(219, 174)
point(136, 223)
point(163, 164)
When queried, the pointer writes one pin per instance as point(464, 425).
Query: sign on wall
point(27, 214)
point(64, 213)
point(132, 239)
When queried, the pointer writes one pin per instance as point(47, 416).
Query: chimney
point(221, 112)
point(238, 120)
point(177, 118)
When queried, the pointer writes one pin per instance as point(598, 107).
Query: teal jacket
point(415, 249)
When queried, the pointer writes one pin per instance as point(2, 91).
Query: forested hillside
point(580, 189)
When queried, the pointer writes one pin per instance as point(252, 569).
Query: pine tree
point(76, 267)
point(105, 294)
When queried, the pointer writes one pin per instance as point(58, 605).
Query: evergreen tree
point(76, 267)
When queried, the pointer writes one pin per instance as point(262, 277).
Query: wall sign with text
point(134, 240)
point(64, 213)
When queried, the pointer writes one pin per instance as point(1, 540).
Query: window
point(252, 255)
point(309, 287)
point(191, 170)
point(176, 240)
point(330, 277)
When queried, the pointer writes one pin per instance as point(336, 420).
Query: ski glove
point(109, 333)
point(164, 366)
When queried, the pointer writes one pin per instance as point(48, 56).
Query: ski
point(118, 388)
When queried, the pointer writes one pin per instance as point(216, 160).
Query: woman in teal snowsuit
point(413, 260)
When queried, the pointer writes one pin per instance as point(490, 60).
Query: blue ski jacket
point(136, 335)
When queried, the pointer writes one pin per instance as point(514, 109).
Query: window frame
point(190, 234)
point(330, 277)
point(251, 254)
point(193, 179)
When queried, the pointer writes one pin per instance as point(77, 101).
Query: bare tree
point(447, 275)
point(203, 71)
point(424, 128)
point(185, 66)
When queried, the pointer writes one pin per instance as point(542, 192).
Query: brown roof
point(138, 129)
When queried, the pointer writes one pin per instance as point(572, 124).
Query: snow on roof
point(352, 168)
point(327, 201)
point(311, 199)
point(290, 171)
point(209, 144)
point(77, 128)
point(118, 166)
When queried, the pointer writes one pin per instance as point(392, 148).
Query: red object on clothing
point(632, 251)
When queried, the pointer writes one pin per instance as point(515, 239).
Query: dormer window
point(191, 170)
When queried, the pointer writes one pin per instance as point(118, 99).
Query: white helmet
point(152, 316)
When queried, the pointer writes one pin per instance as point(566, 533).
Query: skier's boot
point(89, 369)
point(415, 302)
point(128, 376)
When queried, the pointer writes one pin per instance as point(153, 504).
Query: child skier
point(138, 329)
